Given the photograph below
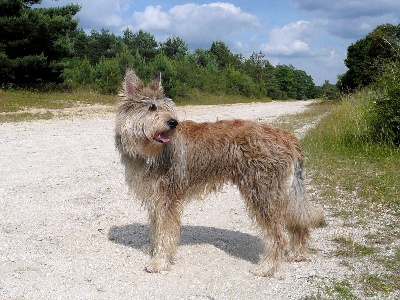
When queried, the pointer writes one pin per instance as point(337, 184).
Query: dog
point(168, 162)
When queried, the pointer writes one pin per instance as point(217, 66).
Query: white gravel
point(69, 229)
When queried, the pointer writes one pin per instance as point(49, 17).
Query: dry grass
point(20, 105)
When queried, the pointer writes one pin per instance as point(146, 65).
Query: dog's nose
point(172, 123)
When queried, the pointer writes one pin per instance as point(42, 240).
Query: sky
point(311, 35)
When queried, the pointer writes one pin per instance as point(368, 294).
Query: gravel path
point(69, 229)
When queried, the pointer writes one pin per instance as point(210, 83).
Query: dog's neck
point(161, 160)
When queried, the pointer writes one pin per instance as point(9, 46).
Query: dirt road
point(69, 229)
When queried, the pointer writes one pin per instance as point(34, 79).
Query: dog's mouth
point(161, 137)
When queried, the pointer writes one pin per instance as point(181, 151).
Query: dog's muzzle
point(163, 137)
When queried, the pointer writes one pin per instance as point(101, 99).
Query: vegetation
point(354, 168)
point(34, 43)
point(42, 48)
point(22, 105)
point(374, 64)
point(366, 57)
point(356, 178)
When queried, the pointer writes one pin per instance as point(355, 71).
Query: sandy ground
point(70, 230)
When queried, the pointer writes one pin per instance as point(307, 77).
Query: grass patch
point(349, 165)
point(349, 248)
point(201, 98)
point(21, 117)
point(376, 283)
point(357, 180)
point(392, 264)
point(341, 290)
point(17, 105)
point(17, 100)
point(296, 122)
point(336, 290)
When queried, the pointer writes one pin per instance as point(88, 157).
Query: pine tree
point(34, 42)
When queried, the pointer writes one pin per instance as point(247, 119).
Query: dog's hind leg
point(165, 222)
point(274, 241)
point(299, 236)
point(268, 218)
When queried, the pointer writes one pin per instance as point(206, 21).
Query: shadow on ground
point(234, 243)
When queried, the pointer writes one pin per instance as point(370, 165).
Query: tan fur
point(167, 163)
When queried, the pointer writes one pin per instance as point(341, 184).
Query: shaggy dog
point(168, 162)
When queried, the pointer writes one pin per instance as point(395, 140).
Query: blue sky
point(312, 35)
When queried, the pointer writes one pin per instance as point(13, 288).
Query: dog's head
point(146, 119)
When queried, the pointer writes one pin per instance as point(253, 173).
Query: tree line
point(373, 65)
point(43, 48)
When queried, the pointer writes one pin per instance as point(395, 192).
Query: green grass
point(334, 290)
point(358, 181)
point(313, 114)
point(26, 116)
point(347, 247)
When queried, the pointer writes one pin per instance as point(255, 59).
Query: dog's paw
point(297, 256)
point(300, 257)
point(264, 270)
point(156, 265)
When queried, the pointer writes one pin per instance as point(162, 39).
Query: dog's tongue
point(163, 138)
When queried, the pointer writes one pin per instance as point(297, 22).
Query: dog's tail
point(300, 212)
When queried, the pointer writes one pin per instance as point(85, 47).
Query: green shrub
point(78, 74)
point(387, 127)
point(126, 60)
point(163, 64)
point(239, 83)
point(108, 76)
point(350, 127)
point(329, 91)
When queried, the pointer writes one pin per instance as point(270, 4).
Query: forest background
point(43, 49)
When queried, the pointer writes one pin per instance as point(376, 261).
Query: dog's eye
point(153, 107)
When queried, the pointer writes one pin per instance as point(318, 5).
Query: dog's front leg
point(165, 222)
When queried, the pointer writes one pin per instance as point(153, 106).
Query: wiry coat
point(168, 163)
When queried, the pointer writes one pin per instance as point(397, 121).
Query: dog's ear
point(130, 86)
point(156, 85)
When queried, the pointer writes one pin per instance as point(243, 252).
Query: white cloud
point(152, 19)
point(194, 23)
point(290, 40)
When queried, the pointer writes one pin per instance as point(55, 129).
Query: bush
point(78, 74)
point(239, 83)
point(350, 127)
point(329, 91)
point(108, 76)
point(126, 60)
point(387, 127)
point(163, 64)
